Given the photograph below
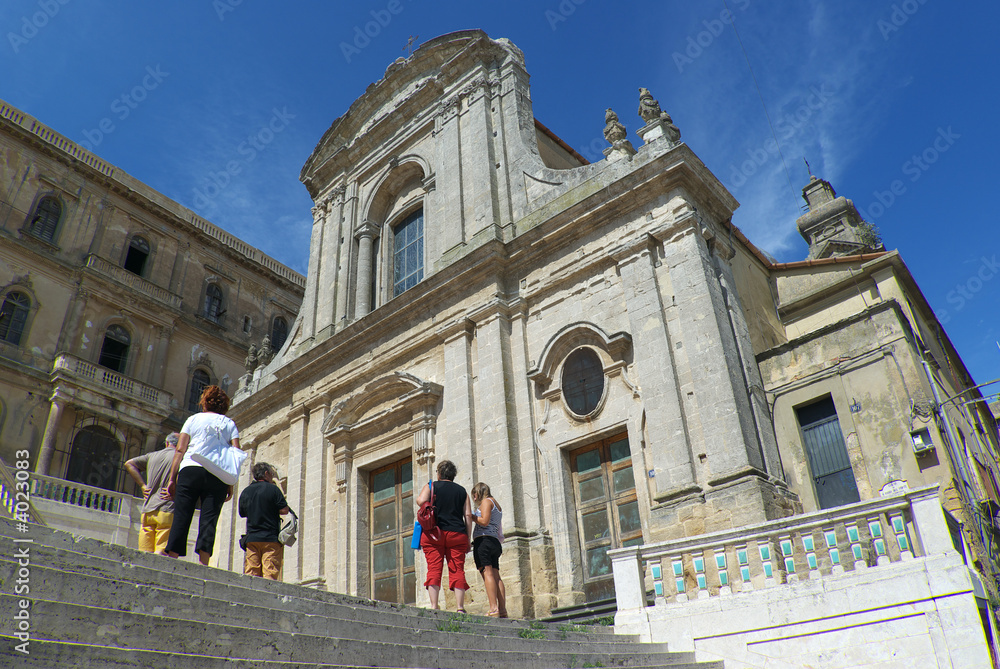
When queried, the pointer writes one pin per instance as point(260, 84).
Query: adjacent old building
point(118, 307)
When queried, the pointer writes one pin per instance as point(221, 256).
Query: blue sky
point(894, 102)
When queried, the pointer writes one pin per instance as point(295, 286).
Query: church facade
point(597, 342)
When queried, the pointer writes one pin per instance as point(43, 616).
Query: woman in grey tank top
point(486, 538)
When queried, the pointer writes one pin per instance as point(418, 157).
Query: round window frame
point(599, 404)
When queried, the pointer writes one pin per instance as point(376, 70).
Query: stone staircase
point(94, 604)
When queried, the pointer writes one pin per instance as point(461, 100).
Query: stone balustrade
point(134, 281)
point(810, 546)
point(109, 379)
point(80, 494)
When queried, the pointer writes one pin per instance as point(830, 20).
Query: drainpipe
point(957, 463)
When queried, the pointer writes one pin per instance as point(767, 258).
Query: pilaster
point(298, 427)
point(673, 470)
point(459, 430)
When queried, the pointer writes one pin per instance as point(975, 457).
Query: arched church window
point(13, 316)
point(583, 381)
point(45, 219)
point(408, 253)
point(114, 350)
point(138, 253)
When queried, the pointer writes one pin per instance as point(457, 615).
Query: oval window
point(582, 381)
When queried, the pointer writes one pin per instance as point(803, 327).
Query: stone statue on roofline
point(658, 122)
point(251, 362)
point(266, 352)
point(615, 133)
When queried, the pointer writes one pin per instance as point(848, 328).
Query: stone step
point(65, 576)
point(51, 587)
point(121, 564)
point(83, 625)
point(99, 605)
point(49, 654)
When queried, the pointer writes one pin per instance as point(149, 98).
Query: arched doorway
point(95, 459)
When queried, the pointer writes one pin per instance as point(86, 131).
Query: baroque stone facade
point(596, 342)
point(118, 306)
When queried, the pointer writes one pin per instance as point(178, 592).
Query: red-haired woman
point(190, 482)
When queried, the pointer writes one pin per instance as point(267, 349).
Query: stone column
point(760, 411)
point(496, 404)
point(654, 363)
point(341, 523)
point(526, 514)
point(363, 290)
point(479, 175)
point(298, 419)
point(450, 212)
point(312, 512)
point(729, 438)
point(458, 434)
point(344, 260)
point(51, 431)
point(308, 311)
point(327, 282)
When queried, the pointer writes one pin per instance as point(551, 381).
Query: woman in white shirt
point(190, 482)
point(486, 538)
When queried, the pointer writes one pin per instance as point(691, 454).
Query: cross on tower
point(409, 45)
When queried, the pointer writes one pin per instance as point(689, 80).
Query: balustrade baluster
point(878, 541)
point(902, 539)
point(720, 566)
point(855, 538)
point(764, 547)
point(833, 550)
point(701, 578)
point(677, 565)
point(810, 548)
point(743, 559)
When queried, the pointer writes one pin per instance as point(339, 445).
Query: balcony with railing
point(749, 595)
point(123, 276)
point(109, 380)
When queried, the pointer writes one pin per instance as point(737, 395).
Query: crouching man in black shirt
point(261, 503)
